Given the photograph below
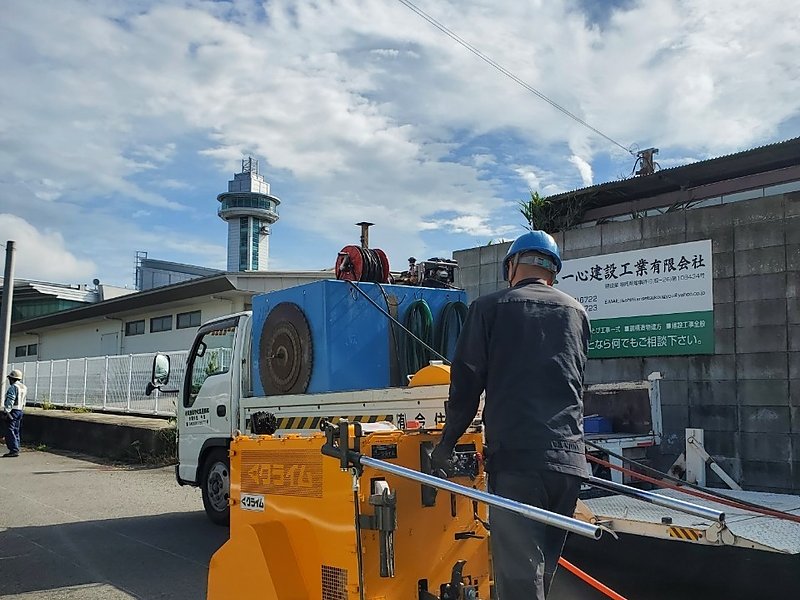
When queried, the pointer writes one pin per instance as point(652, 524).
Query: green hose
point(419, 321)
point(450, 324)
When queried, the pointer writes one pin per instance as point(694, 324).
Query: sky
point(121, 121)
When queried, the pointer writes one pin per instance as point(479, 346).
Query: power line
point(506, 72)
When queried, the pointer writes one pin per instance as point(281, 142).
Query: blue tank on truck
point(353, 345)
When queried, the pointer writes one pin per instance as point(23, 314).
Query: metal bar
point(36, 384)
point(696, 443)
point(105, 385)
point(695, 462)
point(130, 382)
point(658, 500)
point(66, 385)
point(50, 384)
point(5, 314)
point(531, 512)
point(85, 378)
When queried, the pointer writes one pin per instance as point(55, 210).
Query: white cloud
point(174, 184)
point(483, 160)
point(42, 254)
point(530, 178)
point(364, 111)
point(162, 154)
point(584, 168)
point(386, 52)
point(473, 225)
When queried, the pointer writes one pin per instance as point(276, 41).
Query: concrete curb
point(117, 437)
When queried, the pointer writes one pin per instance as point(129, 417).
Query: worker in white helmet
point(15, 402)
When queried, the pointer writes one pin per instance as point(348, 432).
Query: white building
point(160, 319)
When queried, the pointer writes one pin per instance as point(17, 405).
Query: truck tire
point(215, 484)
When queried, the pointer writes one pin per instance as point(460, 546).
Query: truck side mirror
point(160, 373)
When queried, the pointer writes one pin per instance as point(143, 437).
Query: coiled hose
point(419, 321)
point(451, 322)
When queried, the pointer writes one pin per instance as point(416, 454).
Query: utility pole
point(5, 313)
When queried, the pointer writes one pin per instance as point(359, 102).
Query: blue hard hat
point(534, 241)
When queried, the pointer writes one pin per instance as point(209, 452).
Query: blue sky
point(123, 121)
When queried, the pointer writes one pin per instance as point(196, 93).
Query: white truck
point(220, 394)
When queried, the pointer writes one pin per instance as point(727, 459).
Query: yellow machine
point(302, 527)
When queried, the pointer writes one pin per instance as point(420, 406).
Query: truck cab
point(216, 376)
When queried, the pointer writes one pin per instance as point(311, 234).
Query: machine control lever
point(457, 589)
point(467, 535)
point(384, 521)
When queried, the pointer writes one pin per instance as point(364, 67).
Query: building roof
point(222, 285)
point(732, 166)
point(25, 289)
point(155, 263)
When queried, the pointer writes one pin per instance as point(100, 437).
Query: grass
point(79, 409)
point(167, 453)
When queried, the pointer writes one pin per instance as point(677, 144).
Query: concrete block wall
point(747, 395)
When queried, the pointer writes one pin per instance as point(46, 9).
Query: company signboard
point(651, 302)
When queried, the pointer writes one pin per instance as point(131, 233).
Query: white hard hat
point(15, 374)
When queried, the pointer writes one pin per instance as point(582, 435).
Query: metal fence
point(111, 383)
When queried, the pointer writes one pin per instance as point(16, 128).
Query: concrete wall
point(747, 395)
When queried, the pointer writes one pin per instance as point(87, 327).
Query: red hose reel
point(362, 264)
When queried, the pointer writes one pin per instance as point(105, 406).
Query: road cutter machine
point(357, 514)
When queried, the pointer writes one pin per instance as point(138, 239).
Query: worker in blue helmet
point(525, 347)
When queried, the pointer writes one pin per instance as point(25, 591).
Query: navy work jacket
point(526, 348)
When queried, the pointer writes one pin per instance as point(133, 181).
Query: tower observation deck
point(249, 210)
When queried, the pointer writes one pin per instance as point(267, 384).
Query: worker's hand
point(442, 461)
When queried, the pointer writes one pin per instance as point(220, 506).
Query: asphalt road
point(73, 529)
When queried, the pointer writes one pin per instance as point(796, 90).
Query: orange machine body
point(299, 529)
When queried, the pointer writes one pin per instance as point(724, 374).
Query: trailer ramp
point(741, 528)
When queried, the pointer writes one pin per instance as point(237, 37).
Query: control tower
point(249, 210)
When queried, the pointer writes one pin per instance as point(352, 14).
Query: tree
point(541, 213)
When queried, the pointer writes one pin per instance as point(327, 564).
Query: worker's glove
point(443, 461)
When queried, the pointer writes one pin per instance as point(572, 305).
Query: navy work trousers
point(525, 553)
point(13, 430)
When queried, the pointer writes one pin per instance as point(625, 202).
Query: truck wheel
point(216, 486)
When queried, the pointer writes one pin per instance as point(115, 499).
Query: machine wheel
point(216, 485)
point(286, 351)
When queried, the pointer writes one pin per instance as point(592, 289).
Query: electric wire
point(454, 36)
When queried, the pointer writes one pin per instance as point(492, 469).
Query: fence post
point(85, 378)
point(36, 385)
point(105, 385)
point(50, 384)
point(130, 382)
point(66, 385)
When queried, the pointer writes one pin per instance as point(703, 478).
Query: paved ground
point(72, 529)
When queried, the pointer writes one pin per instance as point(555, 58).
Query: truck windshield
point(212, 356)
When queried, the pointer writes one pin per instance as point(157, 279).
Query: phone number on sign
point(589, 303)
